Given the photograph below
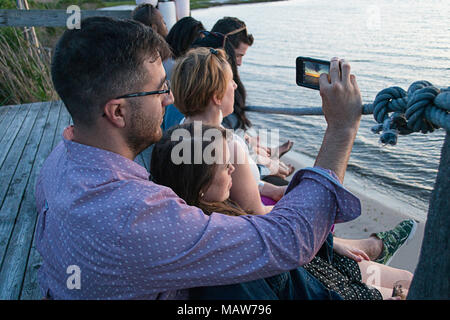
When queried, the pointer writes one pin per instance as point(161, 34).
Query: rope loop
point(420, 100)
point(422, 108)
point(387, 100)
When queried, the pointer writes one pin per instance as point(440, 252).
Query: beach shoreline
point(378, 213)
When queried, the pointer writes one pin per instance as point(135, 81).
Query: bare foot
point(282, 149)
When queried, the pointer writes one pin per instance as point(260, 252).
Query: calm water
point(390, 43)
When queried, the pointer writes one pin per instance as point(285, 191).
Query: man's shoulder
point(49, 164)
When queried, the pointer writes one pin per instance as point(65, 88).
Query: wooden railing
point(51, 18)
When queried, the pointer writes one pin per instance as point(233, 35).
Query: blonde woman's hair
point(197, 76)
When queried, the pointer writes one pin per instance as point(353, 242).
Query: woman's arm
point(244, 190)
point(272, 191)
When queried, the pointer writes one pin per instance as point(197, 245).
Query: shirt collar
point(100, 158)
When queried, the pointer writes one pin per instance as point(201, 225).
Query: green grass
point(117, 3)
point(24, 70)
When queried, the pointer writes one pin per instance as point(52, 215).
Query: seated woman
point(181, 36)
point(150, 16)
point(207, 186)
point(272, 169)
point(203, 87)
point(236, 33)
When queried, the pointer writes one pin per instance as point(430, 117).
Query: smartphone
point(309, 70)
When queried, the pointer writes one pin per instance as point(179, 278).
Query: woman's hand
point(350, 252)
point(272, 191)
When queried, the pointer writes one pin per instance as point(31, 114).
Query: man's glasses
point(148, 93)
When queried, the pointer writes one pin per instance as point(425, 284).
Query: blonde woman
point(203, 87)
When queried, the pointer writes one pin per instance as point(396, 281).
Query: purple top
point(130, 238)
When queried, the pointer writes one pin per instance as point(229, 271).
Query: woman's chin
point(228, 113)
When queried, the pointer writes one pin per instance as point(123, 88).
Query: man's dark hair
point(101, 61)
point(182, 35)
point(230, 24)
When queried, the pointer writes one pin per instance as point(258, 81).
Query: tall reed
point(24, 70)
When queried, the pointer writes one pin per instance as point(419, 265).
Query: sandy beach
point(379, 213)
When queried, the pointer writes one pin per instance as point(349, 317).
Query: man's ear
point(114, 112)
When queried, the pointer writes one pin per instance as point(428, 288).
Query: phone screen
point(309, 71)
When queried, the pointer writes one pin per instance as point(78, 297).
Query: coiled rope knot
point(422, 108)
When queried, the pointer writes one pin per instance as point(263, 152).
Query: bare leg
point(386, 293)
point(380, 275)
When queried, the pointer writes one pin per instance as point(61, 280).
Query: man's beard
point(142, 132)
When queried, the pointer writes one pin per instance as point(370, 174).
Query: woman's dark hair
point(89, 64)
point(227, 25)
point(183, 34)
point(188, 180)
point(216, 40)
point(150, 16)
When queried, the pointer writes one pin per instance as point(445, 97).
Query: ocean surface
point(388, 43)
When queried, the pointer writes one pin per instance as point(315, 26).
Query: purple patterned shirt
point(106, 232)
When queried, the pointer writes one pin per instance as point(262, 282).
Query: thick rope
point(422, 108)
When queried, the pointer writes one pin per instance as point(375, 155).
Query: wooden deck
point(28, 133)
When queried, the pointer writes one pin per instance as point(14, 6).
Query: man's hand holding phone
point(342, 107)
point(341, 98)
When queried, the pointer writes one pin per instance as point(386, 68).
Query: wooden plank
point(63, 121)
point(30, 288)
point(3, 111)
point(7, 134)
point(51, 18)
point(21, 216)
point(14, 143)
point(10, 127)
point(4, 123)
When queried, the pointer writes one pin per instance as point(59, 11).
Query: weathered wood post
point(28, 32)
point(431, 278)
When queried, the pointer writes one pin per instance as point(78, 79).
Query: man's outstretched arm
point(342, 107)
